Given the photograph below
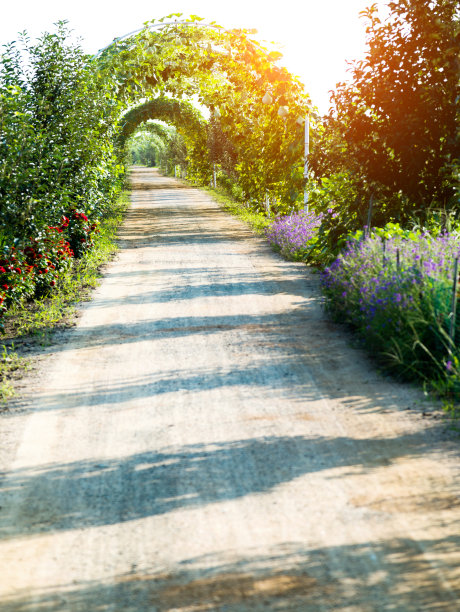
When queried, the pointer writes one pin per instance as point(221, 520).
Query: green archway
point(260, 106)
point(185, 117)
point(187, 120)
point(154, 129)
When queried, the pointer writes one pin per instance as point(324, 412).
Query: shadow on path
point(93, 493)
point(389, 576)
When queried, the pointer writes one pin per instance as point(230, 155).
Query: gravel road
point(204, 439)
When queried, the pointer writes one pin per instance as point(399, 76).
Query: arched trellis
point(155, 129)
point(185, 117)
point(187, 120)
point(159, 26)
point(263, 126)
point(148, 137)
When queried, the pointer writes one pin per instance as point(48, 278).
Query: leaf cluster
point(395, 125)
point(57, 122)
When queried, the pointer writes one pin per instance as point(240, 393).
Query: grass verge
point(257, 221)
point(30, 326)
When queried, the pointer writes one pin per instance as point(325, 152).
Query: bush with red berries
point(48, 254)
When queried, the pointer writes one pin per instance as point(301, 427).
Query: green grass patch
point(257, 221)
point(11, 364)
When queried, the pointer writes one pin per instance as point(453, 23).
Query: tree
point(399, 115)
point(57, 125)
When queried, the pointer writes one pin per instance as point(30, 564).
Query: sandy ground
point(205, 439)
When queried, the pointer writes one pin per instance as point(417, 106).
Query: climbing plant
point(187, 120)
point(260, 106)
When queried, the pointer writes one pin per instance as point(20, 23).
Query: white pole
point(267, 205)
point(214, 176)
point(306, 154)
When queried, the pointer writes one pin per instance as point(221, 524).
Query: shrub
point(57, 123)
point(397, 293)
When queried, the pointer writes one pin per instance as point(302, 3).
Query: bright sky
point(316, 36)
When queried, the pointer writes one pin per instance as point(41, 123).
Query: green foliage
point(221, 149)
point(339, 192)
point(147, 143)
point(56, 126)
point(144, 149)
point(395, 127)
point(185, 146)
point(231, 74)
point(174, 154)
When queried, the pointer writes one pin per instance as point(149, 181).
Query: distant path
point(205, 440)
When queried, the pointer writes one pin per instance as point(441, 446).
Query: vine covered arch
point(185, 117)
point(259, 106)
point(187, 120)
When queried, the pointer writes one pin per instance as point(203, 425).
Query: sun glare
point(316, 38)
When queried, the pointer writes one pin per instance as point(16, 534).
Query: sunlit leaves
point(399, 116)
point(230, 73)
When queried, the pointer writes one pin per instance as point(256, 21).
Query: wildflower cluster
point(397, 292)
point(292, 235)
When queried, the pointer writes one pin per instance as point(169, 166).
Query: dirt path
point(205, 440)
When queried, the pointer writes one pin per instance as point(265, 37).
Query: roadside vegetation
point(29, 325)
point(383, 185)
point(387, 156)
point(396, 289)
